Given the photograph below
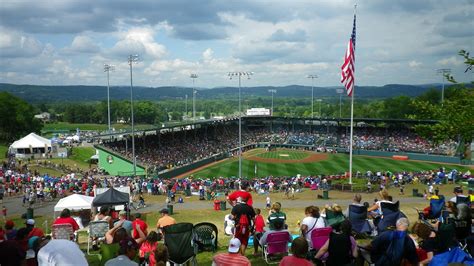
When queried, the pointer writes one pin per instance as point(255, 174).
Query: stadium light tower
point(443, 72)
point(131, 60)
point(193, 77)
point(340, 92)
point(312, 77)
point(108, 68)
point(240, 75)
point(272, 92)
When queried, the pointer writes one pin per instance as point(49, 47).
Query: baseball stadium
point(109, 156)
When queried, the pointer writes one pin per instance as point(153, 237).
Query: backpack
point(243, 225)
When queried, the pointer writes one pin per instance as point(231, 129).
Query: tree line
point(456, 113)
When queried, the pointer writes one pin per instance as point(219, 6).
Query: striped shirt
point(230, 259)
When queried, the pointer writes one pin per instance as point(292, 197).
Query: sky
point(67, 42)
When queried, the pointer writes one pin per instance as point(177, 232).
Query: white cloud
point(139, 41)
point(414, 64)
point(68, 42)
point(15, 44)
point(450, 61)
point(84, 44)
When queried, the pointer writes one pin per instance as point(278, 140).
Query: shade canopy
point(31, 141)
point(111, 197)
point(74, 202)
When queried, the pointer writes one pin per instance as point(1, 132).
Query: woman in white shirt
point(312, 221)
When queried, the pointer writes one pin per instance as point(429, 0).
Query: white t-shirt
point(312, 223)
point(61, 252)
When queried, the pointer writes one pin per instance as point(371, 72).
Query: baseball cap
point(30, 222)
point(128, 243)
point(457, 190)
point(122, 213)
point(164, 210)
point(9, 224)
point(234, 245)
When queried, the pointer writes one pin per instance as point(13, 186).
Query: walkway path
point(14, 204)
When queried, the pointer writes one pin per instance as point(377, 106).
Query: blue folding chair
point(391, 213)
point(358, 219)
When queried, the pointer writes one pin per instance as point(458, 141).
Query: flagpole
point(352, 118)
point(351, 136)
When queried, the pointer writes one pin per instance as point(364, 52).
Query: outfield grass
point(335, 164)
point(284, 154)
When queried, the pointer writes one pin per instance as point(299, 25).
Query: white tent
point(74, 202)
point(30, 141)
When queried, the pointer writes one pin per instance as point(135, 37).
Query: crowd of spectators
point(174, 149)
point(133, 238)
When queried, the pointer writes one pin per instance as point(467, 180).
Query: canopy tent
point(30, 144)
point(111, 197)
point(74, 202)
point(31, 141)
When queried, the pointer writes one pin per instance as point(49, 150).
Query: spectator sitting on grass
point(276, 215)
point(299, 249)
point(341, 246)
point(278, 227)
point(65, 218)
point(127, 252)
point(233, 257)
point(165, 220)
point(161, 255)
point(126, 224)
point(148, 248)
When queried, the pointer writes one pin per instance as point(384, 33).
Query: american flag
point(347, 74)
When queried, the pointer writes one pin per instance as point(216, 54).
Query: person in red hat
point(10, 230)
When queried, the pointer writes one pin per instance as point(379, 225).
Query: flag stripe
point(348, 69)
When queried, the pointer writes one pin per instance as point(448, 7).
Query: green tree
point(17, 118)
point(455, 116)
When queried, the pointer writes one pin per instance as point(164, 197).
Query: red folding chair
point(277, 244)
point(319, 236)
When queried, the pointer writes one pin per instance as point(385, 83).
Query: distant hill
point(39, 94)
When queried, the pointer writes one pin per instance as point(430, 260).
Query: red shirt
point(143, 227)
point(241, 194)
point(292, 260)
point(259, 223)
point(35, 232)
point(67, 220)
point(230, 259)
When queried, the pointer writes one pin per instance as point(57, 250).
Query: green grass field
point(284, 154)
point(3, 150)
point(335, 164)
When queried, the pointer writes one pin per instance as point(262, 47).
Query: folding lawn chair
point(319, 236)
point(334, 218)
point(97, 229)
point(391, 213)
point(358, 219)
point(179, 238)
point(206, 235)
point(277, 244)
point(62, 231)
point(435, 211)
